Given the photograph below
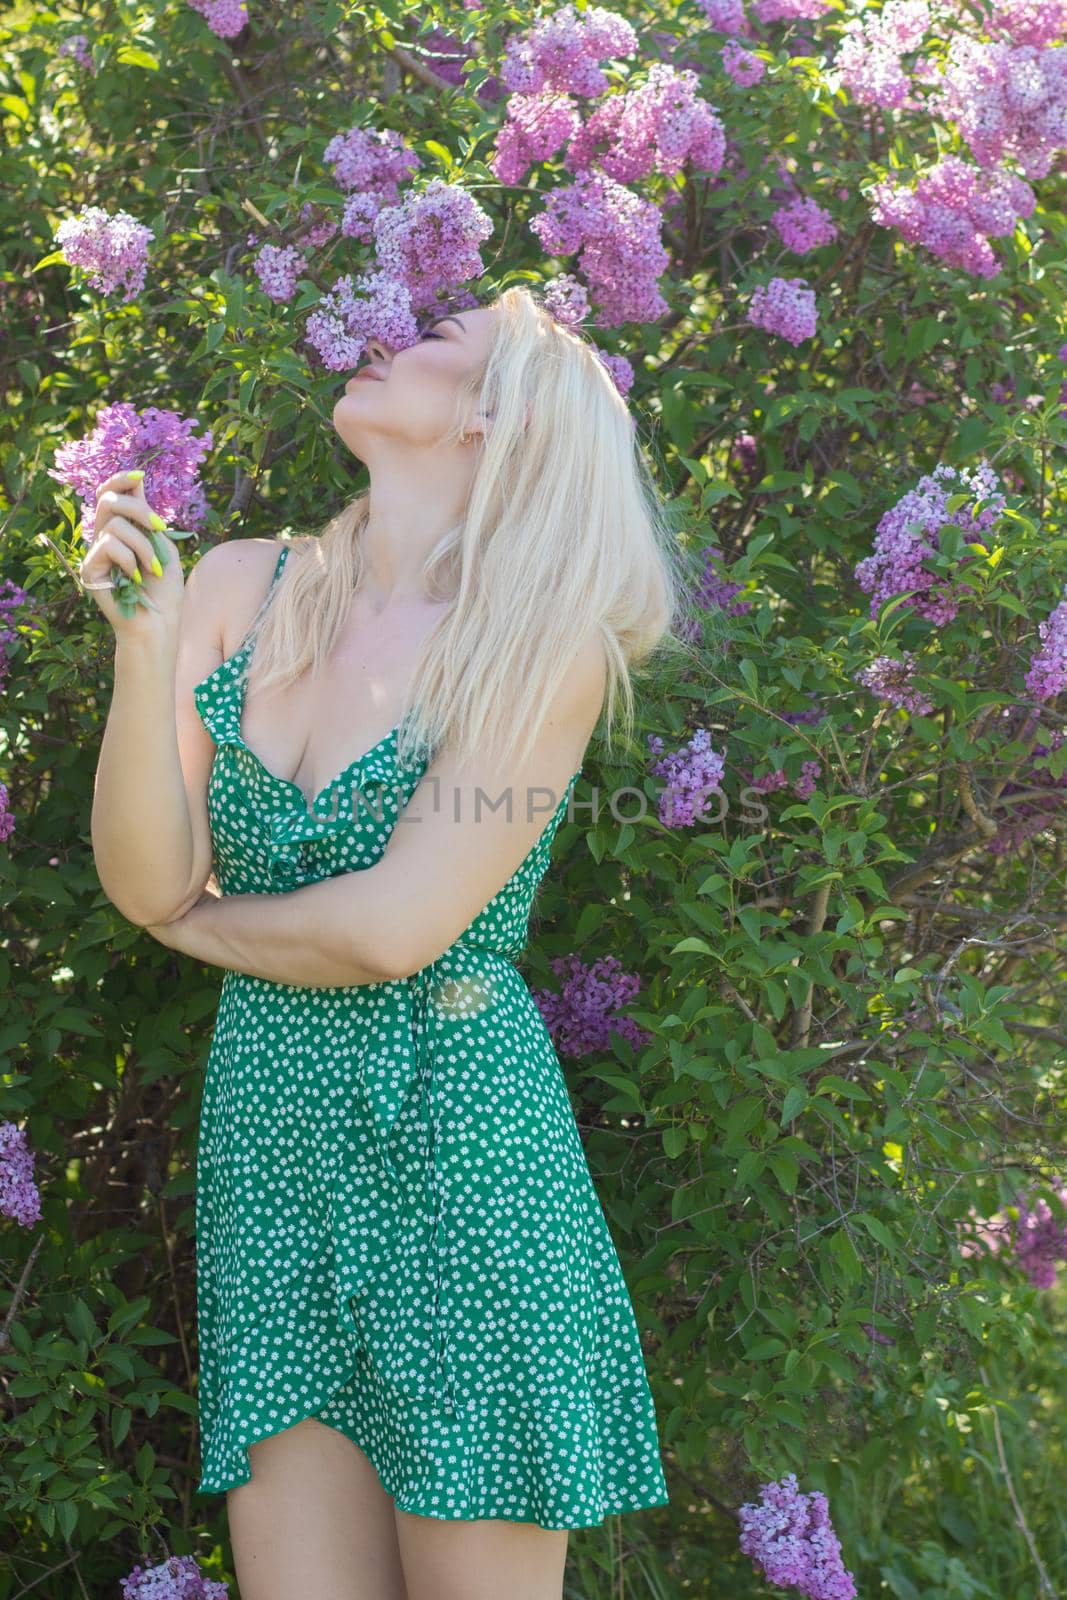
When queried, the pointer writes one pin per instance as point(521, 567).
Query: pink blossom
point(111, 250)
point(743, 66)
point(785, 306)
point(616, 235)
point(278, 271)
point(224, 17)
point(803, 225)
point(431, 241)
point(537, 126)
point(953, 210)
point(564, 51)
point(789, 1535)
point(656, 128)
point(159, 441)
point(371, 306)
point(370, 161)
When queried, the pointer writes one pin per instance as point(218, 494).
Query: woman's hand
point(118, 541)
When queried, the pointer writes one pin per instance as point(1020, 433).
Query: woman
point(419, 1365)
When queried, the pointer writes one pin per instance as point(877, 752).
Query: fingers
point(111, 503)
point(123, 546)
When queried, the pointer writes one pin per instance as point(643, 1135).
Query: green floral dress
point(396, 1227)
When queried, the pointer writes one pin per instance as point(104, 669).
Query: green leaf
point(131, 55)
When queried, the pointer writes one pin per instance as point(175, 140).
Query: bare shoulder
point(581, 696)
point(230, 580)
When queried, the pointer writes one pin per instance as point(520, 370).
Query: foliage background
point(853, 1004)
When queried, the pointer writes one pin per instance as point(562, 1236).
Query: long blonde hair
point(563, 531)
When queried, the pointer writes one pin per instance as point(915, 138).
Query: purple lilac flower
point(7, 816)
point(320, 231)
point(564, 51)
point(789, 1535)
point(744, 454)
point(177, 1578)
point(803, 225)
point(1047, 676)
point(278, 271)
point(869, 55)
point(790, 10)
point(714, 590)
point(77, 47)
point(743, 66)
point(616, 235)
point(804, 787)
point(537, 126)
point(224, 17)
point(785, 306)
point(954, 210)
point(1036, 1237)
point(19, 1197)
point(619, 370)
point(726, 16)
point(370, 161)
point(15, 596)
point(155, 439)
point(431, 241)
point(568, 301)
point(1030, 21)
point(891, 680)
point(371, 306)
point(111, 250)
point(692, 774)
point(581, 1017)
point(656, 128)
point(908, 533)
point(1009, 101)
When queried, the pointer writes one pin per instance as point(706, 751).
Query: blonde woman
point(419, 1365)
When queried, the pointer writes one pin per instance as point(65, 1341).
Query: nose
point(377, 350)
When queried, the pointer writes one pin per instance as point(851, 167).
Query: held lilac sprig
point(789, 1534)
point(159, 444)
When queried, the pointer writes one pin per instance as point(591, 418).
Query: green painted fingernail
point(156, 568)
point(156, 521)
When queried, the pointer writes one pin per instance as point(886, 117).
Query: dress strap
point(278, 565)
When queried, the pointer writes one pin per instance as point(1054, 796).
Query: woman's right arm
point(150, 832)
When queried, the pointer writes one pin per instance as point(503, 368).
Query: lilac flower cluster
point(1036, 1237)
point(177, 1578)
point(892, 681)
point(564, 51)
point(907, 534)
point(19, 1198)
point(111, 250)
point(1008, 100)
point(692, 774)
point(567, 300)
point(869, 55)
point(790, 10)
point(320, 229)
point(7, 816)
point(77, 47)
point(616, 236)
point(954, 210)
point(785, 306)
point(803, 225)
point(656, 128)
point(15, 596)
point(712, 591)
point(1029, 21)
point(581, 1017)
point(224, 17)
point(1047, 676)
point(369, 164)
point(157, 440)
point(278, 270)
point(789, 1534)
point(426, 245)
point(537, 126)
point(742, 65)
point(726, 16)
point(803, 786)
point(446, 53)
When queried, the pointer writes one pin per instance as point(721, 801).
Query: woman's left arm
point(447, 858)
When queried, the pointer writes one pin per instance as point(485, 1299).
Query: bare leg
point(313, 1519)
point(480, 1560)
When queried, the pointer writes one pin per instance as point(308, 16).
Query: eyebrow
point(449, 317)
